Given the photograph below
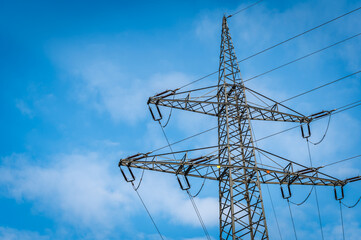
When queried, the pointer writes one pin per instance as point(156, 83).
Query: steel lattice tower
point(240, 197)
point(234, 166)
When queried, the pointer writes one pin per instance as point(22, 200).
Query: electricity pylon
point(234, 165)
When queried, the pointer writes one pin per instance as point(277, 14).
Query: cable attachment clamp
point(306, 133)
point(185, 185)
point(155, 118)
point(131, 178)
point(339, 194)
point(288, 194)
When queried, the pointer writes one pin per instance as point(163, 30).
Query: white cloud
point(100, 82)
point(83, 190)
point(165, 197)
point(76, 188)
point(123, 98)
point(24, 108)
point(15, 234)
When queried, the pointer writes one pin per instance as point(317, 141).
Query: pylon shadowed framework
point(233, 161)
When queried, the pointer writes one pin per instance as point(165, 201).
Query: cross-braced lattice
point(233, 161)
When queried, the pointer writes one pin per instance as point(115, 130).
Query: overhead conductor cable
point(278, 44)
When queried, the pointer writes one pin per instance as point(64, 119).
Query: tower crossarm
point(207, 167)
point(209, 105)
point(266, 114)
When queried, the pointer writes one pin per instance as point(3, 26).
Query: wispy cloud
point(101, 82)
point(75, 188)
point(84, 191)
point(14, 234)
point(166, 197)
point(24, 108)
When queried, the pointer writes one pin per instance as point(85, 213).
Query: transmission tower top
point(233, 163)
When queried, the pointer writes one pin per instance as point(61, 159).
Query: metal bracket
point(337, 197)
point(288, 168)
point(187, 99)
point(275, 107)
point(287, 178)
point(186, 184)
point(125, 176)
point(184, 158)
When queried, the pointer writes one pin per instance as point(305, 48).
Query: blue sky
point(75, 78)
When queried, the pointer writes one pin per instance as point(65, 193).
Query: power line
point(303, 93)
point(293, 222)
point(197, 80)
point(234, 127)
point(140, 181)
point(187, 138)
point(319, 214)
point(200, 189)
point(338, 110)
point(269, 192)
point(278, 44)
point(170, 114)
point(309, 194)
point(300, 34)
point(199, 215)
point(141, 199)
point(317, 202)
point(352, 206)
point(340, 161)
point(348, 106)
point(182, 151)
point(343, 229)
point(243, 9)
point(189, 195)
point(303, 57)
point(295, 60)
point(324, 135)
point(321, 86)
point(288, 99)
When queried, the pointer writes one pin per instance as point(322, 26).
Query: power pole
point(234, 166)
